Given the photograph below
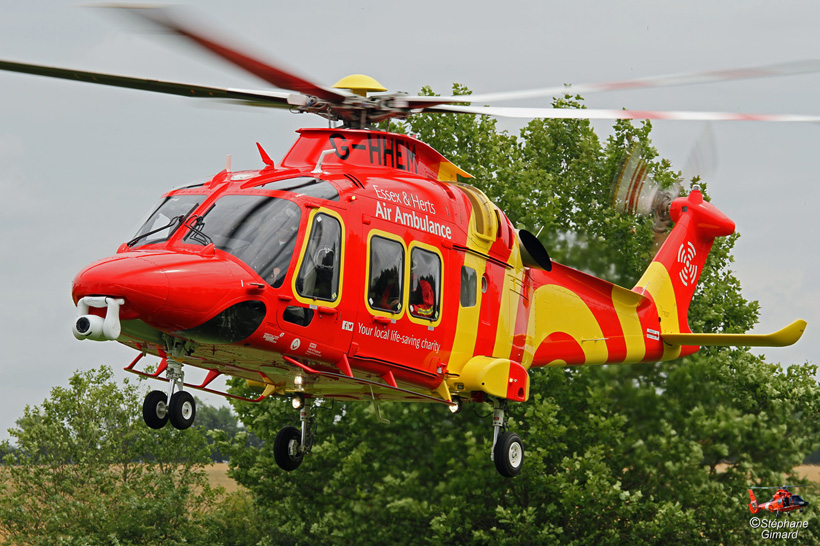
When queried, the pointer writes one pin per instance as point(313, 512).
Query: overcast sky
point(81, 165)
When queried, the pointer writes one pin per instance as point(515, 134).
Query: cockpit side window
point(319, 276)
point(385, 278)
point(259, 230)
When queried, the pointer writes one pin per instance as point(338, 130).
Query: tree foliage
point(646, 454)
point(653, 453)
point(86, 470)
point(221, 422)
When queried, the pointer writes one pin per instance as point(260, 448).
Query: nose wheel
point(181, 411)
point(155, 409)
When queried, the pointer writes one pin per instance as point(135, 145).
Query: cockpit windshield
point(259, 230)
point(166, 219)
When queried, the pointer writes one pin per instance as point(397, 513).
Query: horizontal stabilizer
point(783, 337)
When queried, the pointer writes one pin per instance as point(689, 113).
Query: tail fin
point(673, 275)
point(753, 505)
point(671, 279)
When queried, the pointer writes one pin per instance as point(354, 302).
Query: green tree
point(86, 470)
point(646, 454)
point(222, 423)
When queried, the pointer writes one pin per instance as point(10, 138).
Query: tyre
point(155, 409)
point(286, 448)
point(508, 454)
point(182, 410)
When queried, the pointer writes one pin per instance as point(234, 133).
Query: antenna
point(318, 168)
point(265, 157)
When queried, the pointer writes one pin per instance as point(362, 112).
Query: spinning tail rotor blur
point(635, 190)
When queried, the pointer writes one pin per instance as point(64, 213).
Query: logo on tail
point(686, 257)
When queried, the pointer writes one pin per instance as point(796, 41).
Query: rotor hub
point(359, 84)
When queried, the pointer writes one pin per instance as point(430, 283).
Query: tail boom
point(577, 319)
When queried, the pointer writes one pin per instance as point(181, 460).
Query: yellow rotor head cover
point(359, 84)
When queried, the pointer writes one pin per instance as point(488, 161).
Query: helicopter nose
point(170, 291)
point(138, 279)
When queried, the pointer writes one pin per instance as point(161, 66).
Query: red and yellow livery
point(359, 268)
point(363, 210)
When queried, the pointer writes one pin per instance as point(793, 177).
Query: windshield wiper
point(171, 226)
point(194, 224)
point(175, 220)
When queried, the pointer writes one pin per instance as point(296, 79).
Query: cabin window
point(469, 286)
point(261, 231)
point(425, 283)
point(319, 275)
point(385, 275)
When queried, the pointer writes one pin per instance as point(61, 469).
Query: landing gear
point(508, 454)
point(181, 411)
point(291, 444)
point(155, 409)
point(508, 449)
point(287, 448)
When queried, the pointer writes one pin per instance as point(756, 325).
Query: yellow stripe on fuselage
point(507, 314)
point(626, 306)
point(657, 282)
point(559, 309)
point(468, 320)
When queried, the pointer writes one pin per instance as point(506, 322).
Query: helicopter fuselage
point(359, 268)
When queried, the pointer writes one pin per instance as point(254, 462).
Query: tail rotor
point(635, 191)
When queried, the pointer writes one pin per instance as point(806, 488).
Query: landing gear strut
point(291, 445)
point(508, 449)
point(181, 411)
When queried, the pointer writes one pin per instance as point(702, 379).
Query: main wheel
point(286, 448)
point(508, 454)
point(155, 409)
point(182, 410)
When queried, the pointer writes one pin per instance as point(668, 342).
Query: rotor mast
point(357, 110)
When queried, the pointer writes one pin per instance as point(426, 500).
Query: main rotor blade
point(585, 113)
point(279, 77)
point(258, 98)
point(692, 78)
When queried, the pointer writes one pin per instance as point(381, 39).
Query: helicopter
point(363, 267)
point(783, 501)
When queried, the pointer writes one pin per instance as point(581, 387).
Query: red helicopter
point(783, 501)
point(360, 267)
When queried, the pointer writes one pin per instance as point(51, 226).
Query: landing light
point(298, 400)
point(455, 406)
